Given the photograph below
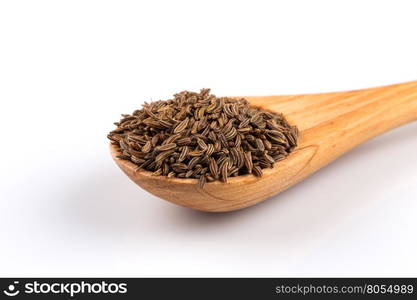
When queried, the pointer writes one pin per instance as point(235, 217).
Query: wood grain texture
point(330, 124)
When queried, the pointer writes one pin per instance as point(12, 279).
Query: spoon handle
point(333, 123)
point(397, 103)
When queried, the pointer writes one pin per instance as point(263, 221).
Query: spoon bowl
point(330, 124)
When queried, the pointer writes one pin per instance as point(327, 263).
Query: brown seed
point(161, 156)
point(184, 141)
point(223, 140)
point(166, 147)
point(154, 140)
point(212, 106)
point(244, 123)
point(193, 162)
point(181, 126)
point(231, 134)
point(137, 160)
point(126, 157)
point(267, 144)
point(256, 117)
point(165, 123)
point(165, 169)
point(210, 149)
point(243, 130)
point(279, 157)
point(146, 164)
point(269, 158)
point(233, 154)
point(214, 169)
point(233, 170)
point(171, 139)
point(123, 144)
point(260, 145)
point(195, 153)
point(202, 144)
point(197, 169)
point(184, 152)
point(248, 161)
point(180, 166)
point(157, 172)
point(257, 171)
point(206, 131)
point(238, 140)
point(212, 136)
point(223, 170)
point(202, 181)
point(147, 147)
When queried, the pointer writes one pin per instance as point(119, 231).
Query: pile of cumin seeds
point(199, 135)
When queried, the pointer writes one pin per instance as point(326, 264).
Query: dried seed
point(137, 160)
point(223, 170)
point(181, 126)
point(214, 169)
point(184, 152)
point(197, 135)
point(157, 172)
point(269, 158)
point(248, 161)
point(195, 153)
point(257, 171)
point(165, 169)
point(147, 147)
point(161, 156)
point(260, 145)
point(210, 149)
point(154, 140)
point(193, 162)
point(166, 147)
point(125, 157)
point(184, 141)
point(202, 145)
point(197, 169)
point(202, 181)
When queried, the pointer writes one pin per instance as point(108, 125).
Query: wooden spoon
point(330, 124)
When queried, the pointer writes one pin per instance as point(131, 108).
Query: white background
point(68, 69)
